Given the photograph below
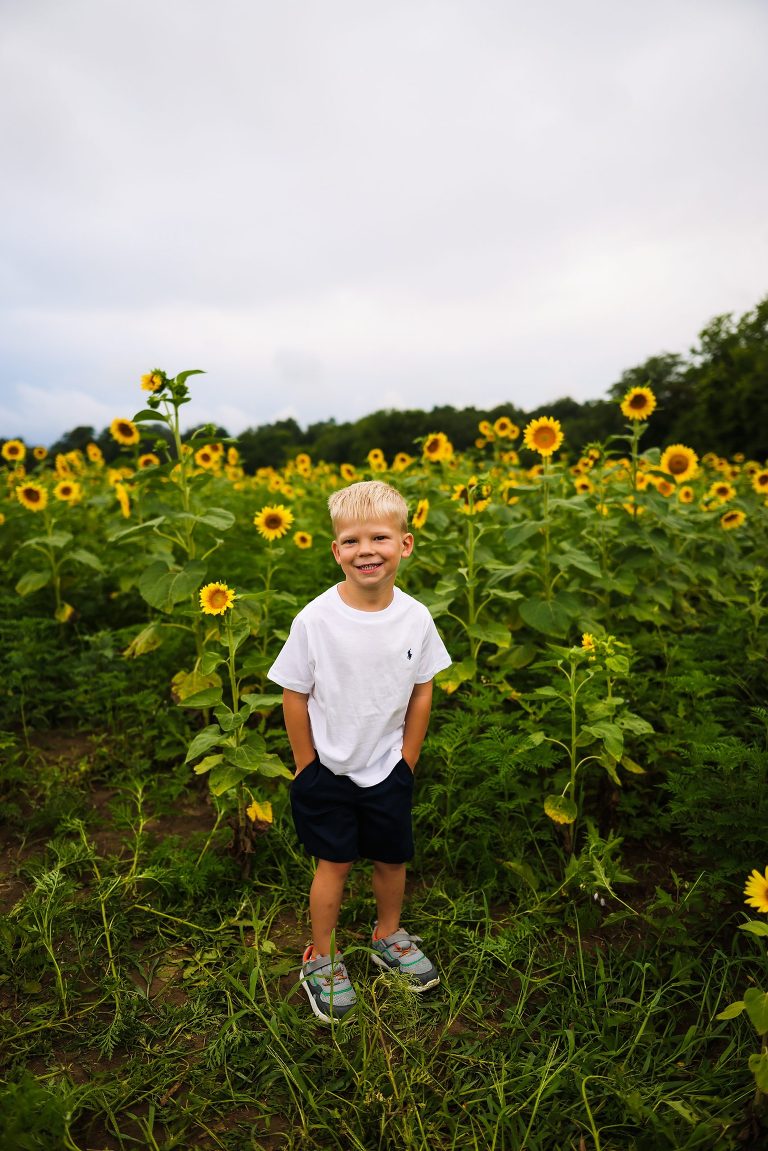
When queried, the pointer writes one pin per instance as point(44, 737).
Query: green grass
point(150, 1000)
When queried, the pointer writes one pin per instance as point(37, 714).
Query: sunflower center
point(273, 522)
point(677, 464)
point(638, 401)
point(218, 598)
point(432, 446)
point(32, 495)
point(545, 437)
point(125, 429)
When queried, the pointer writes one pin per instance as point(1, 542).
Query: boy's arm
point(298, 728)
point(416, 722)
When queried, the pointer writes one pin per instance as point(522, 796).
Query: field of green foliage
point(591, 804)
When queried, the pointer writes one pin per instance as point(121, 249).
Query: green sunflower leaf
point(32, 581)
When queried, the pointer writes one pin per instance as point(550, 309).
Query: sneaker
point(327, 985)
point(398, 952)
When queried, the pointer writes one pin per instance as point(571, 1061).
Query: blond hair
point(366, 501)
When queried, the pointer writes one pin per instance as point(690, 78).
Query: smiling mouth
point(368, 567)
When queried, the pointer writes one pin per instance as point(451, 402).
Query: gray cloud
point(338, 207)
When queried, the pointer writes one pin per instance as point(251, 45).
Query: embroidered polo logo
point(410, 654)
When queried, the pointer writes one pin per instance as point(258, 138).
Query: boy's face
point(369, 552)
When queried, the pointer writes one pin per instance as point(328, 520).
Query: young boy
point(356, 672)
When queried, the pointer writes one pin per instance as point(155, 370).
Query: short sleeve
point(291, 669)
point(434, 654)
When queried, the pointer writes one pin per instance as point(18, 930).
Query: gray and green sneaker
point(398, 952)
point(327, 985)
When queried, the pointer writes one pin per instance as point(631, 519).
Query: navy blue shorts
point(339, 821)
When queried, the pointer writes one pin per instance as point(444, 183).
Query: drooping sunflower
point(68, 490)
point(32, 496)
point(731, 520)
point(125, 432)
point(273, 521)
point(302, 540)
point(756, 891)
point(347, 472)
point(760, 481)
point(505, 429)
point(94, 453)
point(437, 447)
point(153, 381)
point(543, 435)
point(638, 403)
point(686, 494)
point(40, 452)
point(148, 460)
point(420, 515)
point(14, 451)
point(216, 598)
point(679, 462)
point(123, 499)
point(472, 497)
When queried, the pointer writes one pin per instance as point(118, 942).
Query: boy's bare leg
point(325, 896)
point(389, 890)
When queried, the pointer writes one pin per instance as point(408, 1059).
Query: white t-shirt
point(359, 669)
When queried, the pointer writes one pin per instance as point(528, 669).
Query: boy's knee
point(388, 868)
point(341, 870)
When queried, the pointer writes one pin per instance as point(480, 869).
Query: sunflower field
point(591, 805)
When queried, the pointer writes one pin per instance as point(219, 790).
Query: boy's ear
point(336, 552)
point(407, 544)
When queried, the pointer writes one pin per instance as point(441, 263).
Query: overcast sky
point(336, 206)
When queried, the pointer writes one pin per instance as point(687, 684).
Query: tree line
point(713, 399)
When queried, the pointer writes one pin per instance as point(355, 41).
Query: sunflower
point(216, 598)
point(679, 462)
point(206, 457)
point(347, 472)
point(273, 521)
point(686, 494)
point(402, 461)
point(376, 460)
point(664, 487)
point(233, 457)
point(124, 431)
point(302, 540)
point(505, 429)
point(583, 485)
point(437, 447)
point(40, 452)
point(303, 464)
point(543, 435)
point(94, 453)
point(68, 490)
point(722, 491)
point(32, 496)
point(14, 451)
point(148, 460)
point(757, 891)
point(472, 497)
point(485, 428)
point(420, 515)
point(731, 520)
point(480, 443)
point(123, 499)
point(760, 481)
point(638, 404)
point(602, 509)
point(153, 381)
point(588, 641)
point(512, 459)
